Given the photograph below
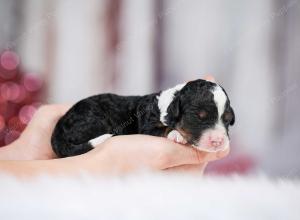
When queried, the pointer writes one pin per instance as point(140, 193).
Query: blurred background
point(60, 51)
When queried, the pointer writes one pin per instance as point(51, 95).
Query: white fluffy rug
point(150, 197)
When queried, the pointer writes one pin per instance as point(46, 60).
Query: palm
point(36, 137)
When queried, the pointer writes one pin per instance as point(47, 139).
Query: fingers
point(158, 153)
point(49, 114)
point(194, 168)
point(209, 78)
point(185, 155)
point(173, 154)
point(57, 109)
point(43, 121)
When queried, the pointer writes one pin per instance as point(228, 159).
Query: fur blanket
point(150, 196)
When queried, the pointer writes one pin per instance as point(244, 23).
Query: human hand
point(116, 156)
point(129, 153)
point(34, 142)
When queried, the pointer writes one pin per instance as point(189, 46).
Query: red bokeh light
point(15, 123)
point(10, 136)
point(32, 83)
point(2, 123)
point(10, 91)
point(20, 96)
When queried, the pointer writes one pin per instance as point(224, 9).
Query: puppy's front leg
point(176, 137)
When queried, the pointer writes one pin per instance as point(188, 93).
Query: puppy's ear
point(233, 118)
point(176, 107)
point(174, 111)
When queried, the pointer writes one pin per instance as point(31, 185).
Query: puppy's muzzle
point(213, 140)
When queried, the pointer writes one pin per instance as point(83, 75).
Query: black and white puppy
point(197, 113)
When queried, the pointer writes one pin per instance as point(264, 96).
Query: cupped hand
point(129, 153)
point(34, 142)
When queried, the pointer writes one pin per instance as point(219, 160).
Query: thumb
point(184, 155)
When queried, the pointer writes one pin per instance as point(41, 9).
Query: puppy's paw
point(176, 137)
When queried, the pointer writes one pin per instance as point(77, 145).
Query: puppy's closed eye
point(202, 114)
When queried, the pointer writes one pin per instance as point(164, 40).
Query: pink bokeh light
point(9, 91)
point(22, 95)
point(11, 136)
point(26, 113)
point(9, 60)
point(32, 83)
point(14, 123)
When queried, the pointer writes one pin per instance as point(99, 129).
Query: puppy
point(197, 113)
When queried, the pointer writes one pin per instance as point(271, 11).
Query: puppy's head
point(200, 111)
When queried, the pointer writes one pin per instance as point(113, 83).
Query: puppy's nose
point(216, 141)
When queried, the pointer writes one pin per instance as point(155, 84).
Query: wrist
point(103, 160)
point(92, 163)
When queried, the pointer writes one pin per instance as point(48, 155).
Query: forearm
point(25, 150)
point(14, 151)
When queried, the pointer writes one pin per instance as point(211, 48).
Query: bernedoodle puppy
point(197, 113)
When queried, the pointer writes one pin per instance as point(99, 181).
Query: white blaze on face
point(164, 100)
point(218, 133)
point(220, 99)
